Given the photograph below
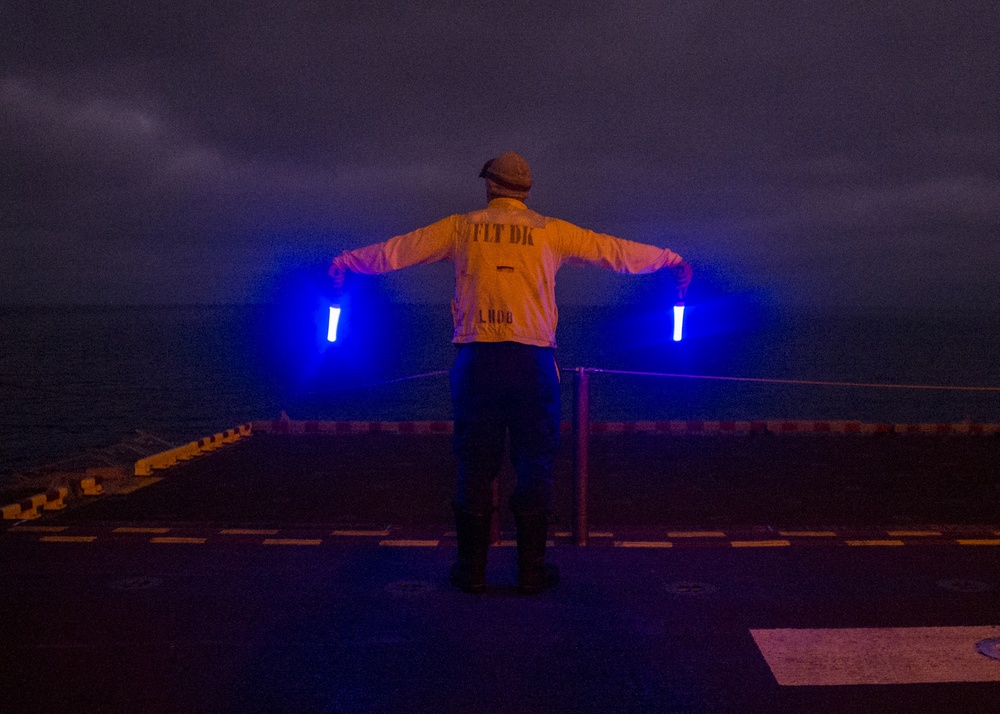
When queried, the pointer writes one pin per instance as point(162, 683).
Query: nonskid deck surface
point(790, 482)
point(173, 625)
point(723, 574)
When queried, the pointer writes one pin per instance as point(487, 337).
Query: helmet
point(508, 175)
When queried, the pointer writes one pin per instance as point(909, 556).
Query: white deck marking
point(140, 529)
point(643, 544)
point(912, 534)
point(362, 533)
point(759, 543)
point(891, 655)
point(696, 534)
point(178, 540)
point(293, 541)
point(248, 531)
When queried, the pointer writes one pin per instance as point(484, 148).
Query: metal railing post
point(581, 446)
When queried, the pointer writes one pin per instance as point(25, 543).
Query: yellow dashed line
point(131, 529)
point(913, 534)
point(567, 534)
point(991, 541)
point(874, 542)
point(601, 534)
point(410, 543)
point(177, 539)
point(68, 539)
point(759, 543)
point(808, 534)
point(507, 543)
point(293, 541)
point(381, 534)
point(643, 544)
point(38, 529)
point(248, 531)
point(696, 534)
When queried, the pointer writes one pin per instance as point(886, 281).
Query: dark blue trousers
point(500, 389)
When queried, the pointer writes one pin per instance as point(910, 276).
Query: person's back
point(505, 381)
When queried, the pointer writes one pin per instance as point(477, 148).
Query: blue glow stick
point(331, 332)
point(678, 321)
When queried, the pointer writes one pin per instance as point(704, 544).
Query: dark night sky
point(821, 154)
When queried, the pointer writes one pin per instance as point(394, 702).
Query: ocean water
point(73, 378)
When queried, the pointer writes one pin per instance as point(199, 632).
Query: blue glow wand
point(331, 330)
point(335, 294)
point(678, 320)
point(683, 275)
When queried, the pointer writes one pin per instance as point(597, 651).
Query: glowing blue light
point(678, 322)
point(331, 332)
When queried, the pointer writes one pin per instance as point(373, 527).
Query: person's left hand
point(337, 274)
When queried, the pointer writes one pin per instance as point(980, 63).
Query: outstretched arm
point(580, 246)
point(425, 245)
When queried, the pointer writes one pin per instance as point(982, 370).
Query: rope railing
point(581, 424)
point(371, 385)
point(767, 380)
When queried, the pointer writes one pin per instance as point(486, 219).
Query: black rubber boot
point(473, 533)
point(533, 574)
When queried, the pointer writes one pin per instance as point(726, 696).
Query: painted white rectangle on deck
point(884, 655)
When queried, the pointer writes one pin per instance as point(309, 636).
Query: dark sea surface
point(73, 378)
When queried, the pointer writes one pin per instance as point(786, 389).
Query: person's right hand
point(682, 274)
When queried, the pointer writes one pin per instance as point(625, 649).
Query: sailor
point(505, 382)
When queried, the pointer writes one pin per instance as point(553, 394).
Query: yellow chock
point(188, 451)
point(90, 487)
point(29, 507)
point(164, 460)
point(12, 512)
point(55, 499)
point(143, 467)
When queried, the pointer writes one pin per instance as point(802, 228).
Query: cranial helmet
point(508, 175)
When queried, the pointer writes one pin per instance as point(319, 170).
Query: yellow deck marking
point(912, 534)
point(567, 534)
point(136, 529)
point(601, 534)
point(68, 539)
point(293, 541)
point(893, 655)
point(410, 543)
point(38, 529)
point(808, 534)
point(643, 544)
point(248, 531)
point(874, 542)
point(177, 539)
point(988, 541)
point(759, 543)
point(381, 534)
point(507, 543)
point(696, 534)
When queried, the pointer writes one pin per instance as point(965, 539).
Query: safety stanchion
point(581, 446)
